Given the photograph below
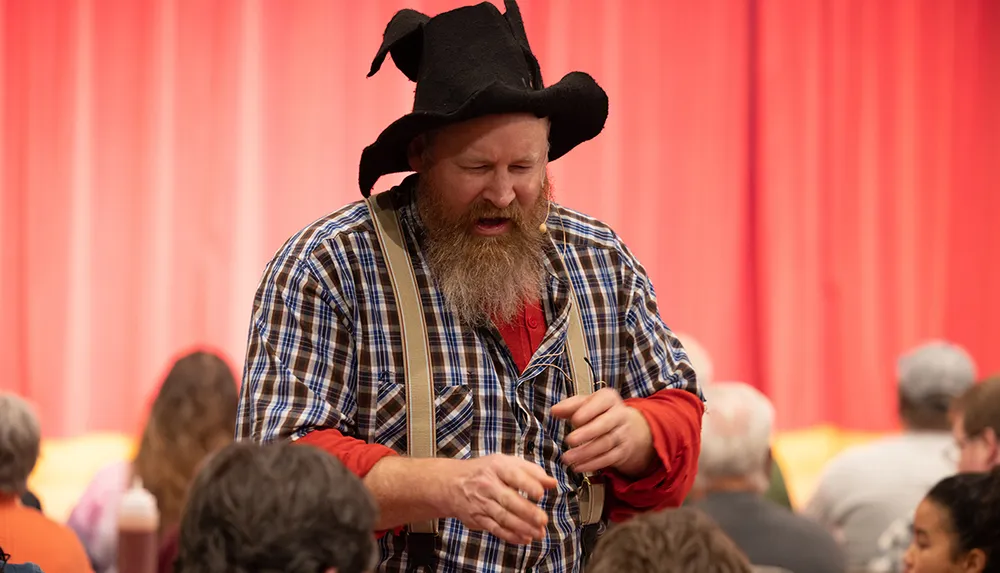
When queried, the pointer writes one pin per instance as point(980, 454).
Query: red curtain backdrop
point(813, 185)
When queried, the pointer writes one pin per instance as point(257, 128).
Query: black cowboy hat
point(471, 62)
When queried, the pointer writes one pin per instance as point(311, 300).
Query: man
point(733, 474)
point(277, 507)
point(975, 428)
point(671, 541)
point(25, 533)
point(866, 488)
point(509, 285)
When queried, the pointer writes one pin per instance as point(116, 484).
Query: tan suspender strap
point(591, 495)
point(420, 431)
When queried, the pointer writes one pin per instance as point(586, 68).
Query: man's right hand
point(486, 494)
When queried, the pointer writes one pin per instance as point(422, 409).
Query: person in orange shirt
point(25, 533)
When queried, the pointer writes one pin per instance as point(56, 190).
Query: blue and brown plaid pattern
point(325, 351)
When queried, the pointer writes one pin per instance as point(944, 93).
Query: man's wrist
point(440, 490)
point(644, 455)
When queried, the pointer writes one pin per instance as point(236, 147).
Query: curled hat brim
point(576, 106)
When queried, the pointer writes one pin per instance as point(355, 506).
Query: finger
point(509, 513)
point(525, 479)
point(522, 509)
point(489, 524)
point(600, 402)
point(611, 458)
point(585, 454)
point(566, 408)
point(604, 424)
point(538, 472)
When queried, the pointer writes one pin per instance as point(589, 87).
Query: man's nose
point(500, 192)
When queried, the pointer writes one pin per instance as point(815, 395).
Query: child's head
point(956, 528)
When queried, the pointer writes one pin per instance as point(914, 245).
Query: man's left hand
point(607, 434)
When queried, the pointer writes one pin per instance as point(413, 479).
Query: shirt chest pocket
point(454, 407)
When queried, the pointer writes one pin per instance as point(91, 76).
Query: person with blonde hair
point(25, 534)
point(193, 415)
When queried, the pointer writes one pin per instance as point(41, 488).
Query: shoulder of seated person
point(22, 568)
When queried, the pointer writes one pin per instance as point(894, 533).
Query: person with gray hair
point(867, 488)
point(26, 534)
point(733, 474)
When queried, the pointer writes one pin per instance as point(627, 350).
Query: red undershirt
point(674, 418)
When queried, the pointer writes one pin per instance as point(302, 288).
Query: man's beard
point(484, 278)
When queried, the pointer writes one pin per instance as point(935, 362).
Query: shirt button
point(532, 323)
point(530, 447)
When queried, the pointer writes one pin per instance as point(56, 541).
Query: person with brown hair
point(672, 541)
point(977, 429)
point(193, 415)
point(277, 507)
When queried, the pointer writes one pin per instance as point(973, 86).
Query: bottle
point(138, 531)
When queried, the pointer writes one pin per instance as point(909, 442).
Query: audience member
point(671, 541)
point(277, 507)
point(8, 567)
point(29, 499)
point(866, 488)
point(733, 474)
point(975, 426)
point(25, 532)
point(956, 528)
point(701, 360)
point(193, 415)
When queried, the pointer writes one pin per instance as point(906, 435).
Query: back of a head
point(672, 541)
point(930, 377)
point(981, 408)
point(973, 505)
point(276, 507)
point(20, 439)
point(736, 434)
point(194, 414)
point(699, 358)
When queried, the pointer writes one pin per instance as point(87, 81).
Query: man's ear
point(416, 153)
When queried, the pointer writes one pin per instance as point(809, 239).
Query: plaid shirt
point(325, 352)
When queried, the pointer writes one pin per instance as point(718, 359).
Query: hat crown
point(471, 62)
point(456, 54)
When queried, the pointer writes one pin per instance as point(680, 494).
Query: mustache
point(485, 210)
